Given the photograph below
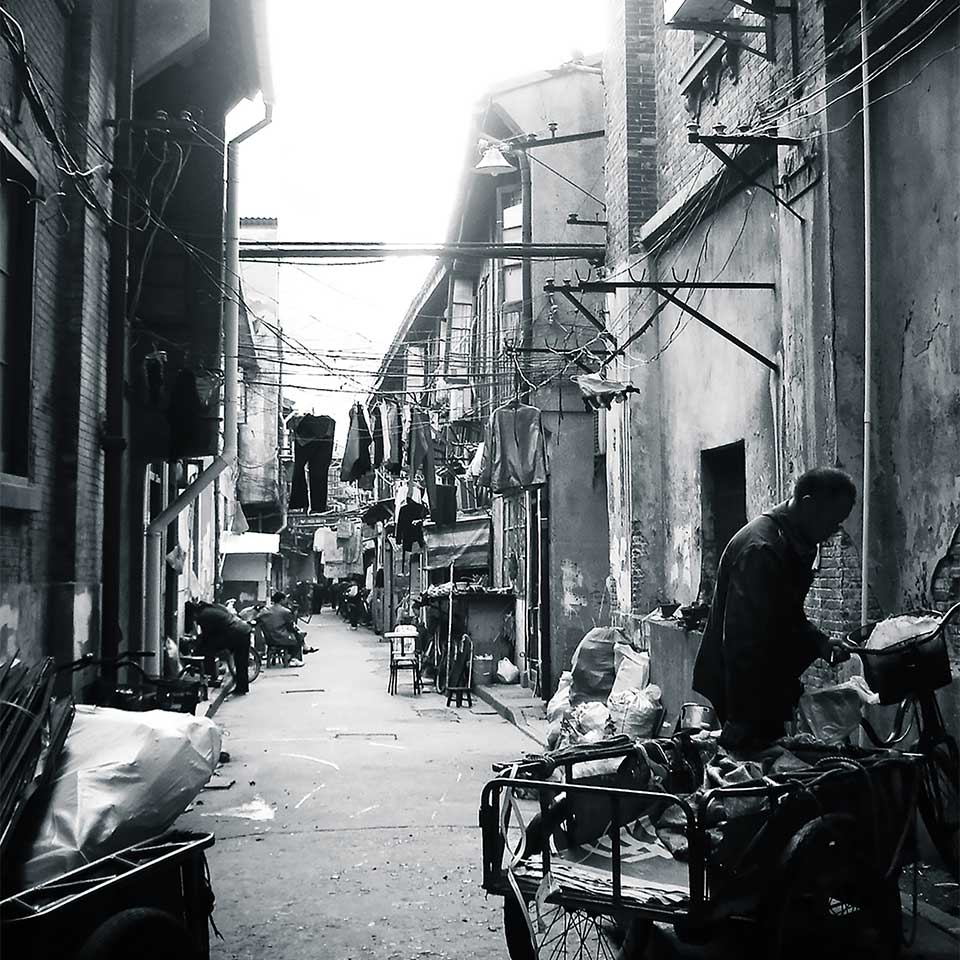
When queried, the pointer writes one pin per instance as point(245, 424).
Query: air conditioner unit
point(713, 11)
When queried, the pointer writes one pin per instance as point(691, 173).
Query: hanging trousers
point(421, 455)
point(313, 446)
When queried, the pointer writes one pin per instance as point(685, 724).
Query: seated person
point(279, 626)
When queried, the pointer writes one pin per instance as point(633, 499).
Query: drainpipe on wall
point(153, 639)
point(115, 438)
point(867, 324)
point(526, 267)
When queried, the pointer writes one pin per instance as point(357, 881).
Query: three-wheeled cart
point(151, 900)
point(795, 859)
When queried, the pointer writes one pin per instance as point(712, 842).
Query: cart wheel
point(565, 932)
point(828, 897)
point(144, 933)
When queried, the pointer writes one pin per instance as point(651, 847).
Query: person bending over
point(758, 640)
point(221, 629)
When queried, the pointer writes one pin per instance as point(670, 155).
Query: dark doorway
point(723, 499)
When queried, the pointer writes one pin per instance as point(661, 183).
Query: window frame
point(16, 479)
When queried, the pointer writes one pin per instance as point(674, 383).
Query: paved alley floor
point(350, 830)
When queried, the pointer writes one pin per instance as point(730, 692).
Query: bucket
point(484, 667)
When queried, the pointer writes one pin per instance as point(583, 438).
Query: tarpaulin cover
point(465, 544)
point(123, 777)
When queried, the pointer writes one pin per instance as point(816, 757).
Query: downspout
point(526, 268)
point(115, 434)
point(867, 324)
point(153, 639)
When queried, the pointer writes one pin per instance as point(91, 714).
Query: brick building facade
point(57, 141)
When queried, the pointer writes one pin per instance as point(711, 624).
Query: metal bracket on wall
point(716, 143)
point(730, 30)
point(567, 290)
point(669, 290)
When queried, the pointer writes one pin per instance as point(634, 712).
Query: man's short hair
point(825, 483)
point(277, 597)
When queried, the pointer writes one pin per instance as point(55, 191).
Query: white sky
point(373, 102)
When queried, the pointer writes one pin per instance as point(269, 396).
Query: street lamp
point(493, 162)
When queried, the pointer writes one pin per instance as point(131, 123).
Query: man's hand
point(831, 650)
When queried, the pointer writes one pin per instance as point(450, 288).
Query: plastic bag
point(894, 629)
point(123, 777)
point(507, 672)
point(833, 713)
point(593, 665)
point(635, 713)
point(633, 671)
point(559, 705)
point(171, 659)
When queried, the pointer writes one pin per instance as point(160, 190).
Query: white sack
point(123, 777)
point(507, 672)
point(559, 705)
point(895, 629)
point(635, 712)
point(633, 671)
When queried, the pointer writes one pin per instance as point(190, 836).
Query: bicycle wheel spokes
point(939, 799)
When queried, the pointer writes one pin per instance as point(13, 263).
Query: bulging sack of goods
point(507, 672)
point(891, 631)
point(636, 713)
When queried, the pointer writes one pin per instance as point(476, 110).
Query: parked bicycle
point(909, 673)
point(138, 691)
point(192, 663)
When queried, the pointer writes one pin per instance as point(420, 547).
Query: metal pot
point(697, 716)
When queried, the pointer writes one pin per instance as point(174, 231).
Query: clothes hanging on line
point(312, 452)
point(444, 514)
point(393, 437)
point(409, 526)
point(514, 449)
point(422, 454)
point(376, 428)
point(598, 392)
point(356, 456)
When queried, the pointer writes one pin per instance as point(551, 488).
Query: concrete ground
point(350, 830)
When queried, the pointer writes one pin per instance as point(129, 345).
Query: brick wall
point(733, 95)
point(945, 592)
point(833, 603)
point(629, 89)
point(50, 558)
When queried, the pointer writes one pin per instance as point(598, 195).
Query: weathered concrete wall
point(916, 241)
point(712, 392)
point(578, 538)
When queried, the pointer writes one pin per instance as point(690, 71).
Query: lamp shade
point(493, 162)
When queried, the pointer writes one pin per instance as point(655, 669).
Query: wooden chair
point(404, 656)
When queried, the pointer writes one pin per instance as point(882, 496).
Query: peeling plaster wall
point(712, 392)
point(916, 245)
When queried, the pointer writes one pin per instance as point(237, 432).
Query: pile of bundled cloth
point(607, 692)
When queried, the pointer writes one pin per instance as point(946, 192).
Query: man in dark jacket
point(758, 641)
point(221, 629)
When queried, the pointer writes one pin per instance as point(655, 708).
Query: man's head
point(278, 597)
point(822, 500)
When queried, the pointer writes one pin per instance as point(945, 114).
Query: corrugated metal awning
point(465, 544)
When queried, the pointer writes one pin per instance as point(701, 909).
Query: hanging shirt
point(514, 449)
point(376, 428)
point(356, 456)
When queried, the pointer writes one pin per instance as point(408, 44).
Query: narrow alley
point(351, 828)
